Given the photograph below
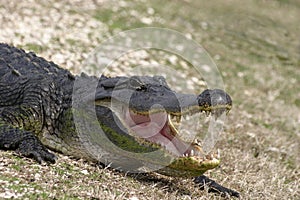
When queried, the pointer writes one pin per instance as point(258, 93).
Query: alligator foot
point(32, 147)
point(24, 143)
point(214, 187)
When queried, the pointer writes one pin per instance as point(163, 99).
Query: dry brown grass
point(256, 46)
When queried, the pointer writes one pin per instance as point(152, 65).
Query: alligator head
point(137, 114)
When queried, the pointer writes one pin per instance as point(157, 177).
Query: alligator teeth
point(207, 113)
point(171, 124)
point(218, 154)
point(178, 119)
point(192, 152)
point(196, 141)
point(227, 112)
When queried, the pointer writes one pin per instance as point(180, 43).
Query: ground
point(256, 47)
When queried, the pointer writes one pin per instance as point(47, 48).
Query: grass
point(257, 46)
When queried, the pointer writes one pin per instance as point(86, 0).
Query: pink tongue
point(154, 128)
point(146, 126)
point(162, 140)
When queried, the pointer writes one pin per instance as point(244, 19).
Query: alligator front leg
point(25, 143)
point(214, 187)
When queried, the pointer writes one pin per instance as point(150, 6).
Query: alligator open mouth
point(158, 128)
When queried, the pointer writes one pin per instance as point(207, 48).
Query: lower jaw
point(188, 167)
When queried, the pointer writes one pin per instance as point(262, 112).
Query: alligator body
point(38, 112)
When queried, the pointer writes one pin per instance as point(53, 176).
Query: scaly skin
point(36, 113)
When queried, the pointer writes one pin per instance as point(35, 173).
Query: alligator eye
point(136, 83)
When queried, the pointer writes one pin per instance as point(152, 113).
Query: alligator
point(38, 117)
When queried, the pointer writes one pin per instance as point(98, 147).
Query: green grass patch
point(36, 48)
